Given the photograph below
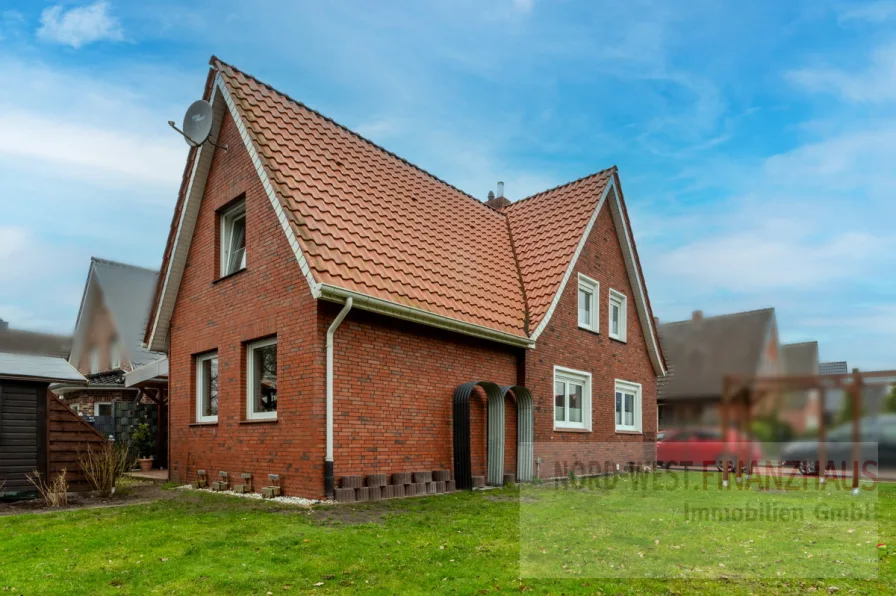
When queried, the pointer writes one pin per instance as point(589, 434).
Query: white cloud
point(79, 26)
point(524, 6)
point(872, 12)
point(876, 83)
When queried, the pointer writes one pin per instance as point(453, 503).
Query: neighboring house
point(702, 350)
point(800, 408)
point(19, 341)
point(37, 433)
point(301, 223)
point(873, 396)
point(108, 341)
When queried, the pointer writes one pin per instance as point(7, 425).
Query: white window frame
point(251, 383)
point(566, 375)
point(201, 388)
point(622, 386)
point(76, 408)
point(96, 406)
point(590, 286)
point(621, 301)
point(234, 213)
point(114, 354)
point(94, 357)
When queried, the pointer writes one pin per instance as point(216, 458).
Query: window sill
point(215, 423)
point(589, 330)
point(228, 276)
point(563, 429)
point(619, 339)
point(628, 432)
point(259, 421)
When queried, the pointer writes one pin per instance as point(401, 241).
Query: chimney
point(497, 201)
point(4, 325)
point(697, 315)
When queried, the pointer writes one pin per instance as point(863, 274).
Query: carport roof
point(26, 367)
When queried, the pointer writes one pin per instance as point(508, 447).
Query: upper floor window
point(588, 291)
point(94, 360)
point(617, 315)
point(114, 354)
point(233, 239)
point(261, 379)
point(572, 399)
point(207, 388)
point(628, 406)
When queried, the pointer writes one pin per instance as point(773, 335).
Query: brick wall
point(563, 343)
point(269, 297)
point(86, 398)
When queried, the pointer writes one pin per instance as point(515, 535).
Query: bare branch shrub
point(103, 466)
point(53, 492)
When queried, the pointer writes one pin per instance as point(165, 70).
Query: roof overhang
point(147, 372)
point(416, 315)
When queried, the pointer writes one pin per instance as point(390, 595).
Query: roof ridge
point(730, 314)
point(801, 343)
point(215, 59)
point(612, 168)
point(120, 264)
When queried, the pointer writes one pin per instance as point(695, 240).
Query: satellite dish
point(197, 124)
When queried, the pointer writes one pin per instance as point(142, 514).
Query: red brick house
point(325, 306)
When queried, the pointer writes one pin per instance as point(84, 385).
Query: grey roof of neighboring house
point(832, 368)
point(19, 341)
point(127, 293)
point(799, 360)
point(701, 352)
point(37, 368)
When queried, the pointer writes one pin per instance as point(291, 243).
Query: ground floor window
point(628, 406)
point(207, 388)
point(102, 409)
point(261, 379)
point(572, 399)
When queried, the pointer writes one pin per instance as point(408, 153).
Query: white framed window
point(588, 303)
point(618, 314)
point(102, 409)
point(261, 380)
point(207, 388)
point(572, 399)
point(628, 406)
point(76, 408)
point(114, 354)
point(233, 239)
point(94, 360)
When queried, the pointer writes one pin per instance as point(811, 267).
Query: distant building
point(19, 341)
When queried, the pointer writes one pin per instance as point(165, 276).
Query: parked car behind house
point(704, 447)
point(878, 444)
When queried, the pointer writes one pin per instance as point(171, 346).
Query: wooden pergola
point(737, 398)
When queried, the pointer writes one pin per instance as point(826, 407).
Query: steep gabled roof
point(127, 293)
point(800, 359)
point(702, 351)
point(366, 223)
point(19, 341)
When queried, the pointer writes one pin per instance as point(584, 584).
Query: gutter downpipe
point(329, 478)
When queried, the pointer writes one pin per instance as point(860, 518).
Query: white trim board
point(631, 268)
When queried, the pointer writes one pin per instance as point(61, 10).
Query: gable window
point(114, 354)
point(207, 388)
point(233, 239)
point(572, 399)
point(628, 406)
point(102, 409)
point(94, 360)
point(588, 291)
point(261, 379)
point(618, 314)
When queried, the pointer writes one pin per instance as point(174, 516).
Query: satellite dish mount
point(197, 125)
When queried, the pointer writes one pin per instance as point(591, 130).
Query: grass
point(463, 543)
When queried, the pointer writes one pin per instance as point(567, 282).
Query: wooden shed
point(37, 432)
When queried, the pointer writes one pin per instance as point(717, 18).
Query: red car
point(702, 447)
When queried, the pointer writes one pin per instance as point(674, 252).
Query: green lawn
point(464, 543)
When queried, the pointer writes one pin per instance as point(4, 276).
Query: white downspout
point(329, 480)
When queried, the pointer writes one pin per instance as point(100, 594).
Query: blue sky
point(755, 141)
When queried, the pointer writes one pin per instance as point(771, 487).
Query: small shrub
point(104, 465)
point(53, 492)
point(141, 440)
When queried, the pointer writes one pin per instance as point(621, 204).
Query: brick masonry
point(393, 380)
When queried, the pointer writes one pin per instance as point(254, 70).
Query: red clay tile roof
point(371, 222)
point(547, 228)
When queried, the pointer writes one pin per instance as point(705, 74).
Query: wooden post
point(855, 395)
point(738, 426)
point(723, 416)
point(822, 437)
